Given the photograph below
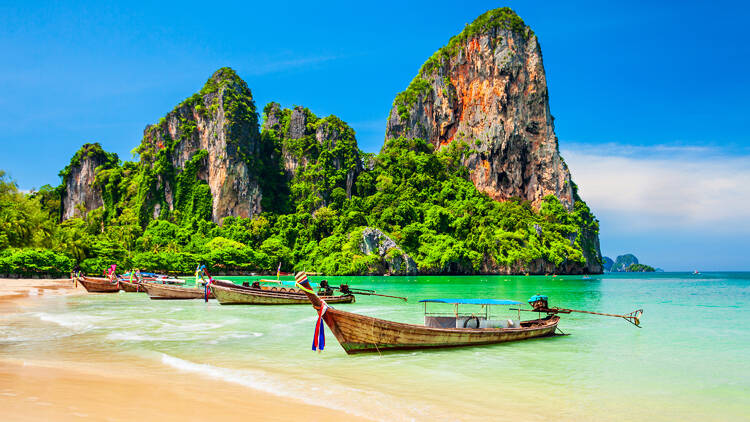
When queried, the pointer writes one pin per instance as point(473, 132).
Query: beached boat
point(241, 295)
point(169, 292)
point(99, 285)
point(156, 278)
point(132, 287)
point(363, 334)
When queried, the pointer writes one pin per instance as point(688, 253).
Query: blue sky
point(655, 95)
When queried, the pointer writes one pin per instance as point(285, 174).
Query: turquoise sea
point(689, 362)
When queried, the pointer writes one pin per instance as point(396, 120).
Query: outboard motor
point(325, 288)
point(539, 303)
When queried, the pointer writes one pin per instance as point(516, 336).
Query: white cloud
point(663, 185)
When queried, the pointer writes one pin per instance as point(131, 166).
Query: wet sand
point(15, 293)
point(21, 287)
point(42, 390)
point(60, 391)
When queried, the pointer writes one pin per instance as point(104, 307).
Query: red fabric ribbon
point(319, 337)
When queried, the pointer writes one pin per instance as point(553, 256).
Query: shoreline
point(70, 391)
point(125, 390)
point(16, 292)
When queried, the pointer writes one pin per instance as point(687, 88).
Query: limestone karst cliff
point(80, 193)
point(203, 150)
point(319, 153)
point(487, 90)
point(469, 180)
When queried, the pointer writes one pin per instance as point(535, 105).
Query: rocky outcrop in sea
point(626, 263)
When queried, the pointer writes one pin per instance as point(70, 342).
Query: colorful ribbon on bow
point(112, 277)
point(199, 273)
point(319, 338)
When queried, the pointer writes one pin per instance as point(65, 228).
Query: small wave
point(240, 336)
point(371, 404)
point(72, 321)
point(135, 337)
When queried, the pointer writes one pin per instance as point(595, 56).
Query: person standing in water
point(76, 273)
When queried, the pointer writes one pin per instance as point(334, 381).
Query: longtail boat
point(324, 286)
point(132, 287)
point(169, 292)
point(156, 278)
point(363, 334)
point(241, 295)
point(99, 285)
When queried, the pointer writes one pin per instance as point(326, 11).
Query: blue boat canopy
point(473, 301)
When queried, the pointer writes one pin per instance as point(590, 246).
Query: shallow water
point(688, 362)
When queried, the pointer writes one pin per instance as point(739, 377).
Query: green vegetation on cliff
point(640, 268)
point(503, 18)
point(627, 263)
point(319, 193)
point(422, 199)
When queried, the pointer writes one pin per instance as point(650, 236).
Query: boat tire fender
point(466, 323)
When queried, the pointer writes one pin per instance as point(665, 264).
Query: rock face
point(488, 89)
point(591, 250)
point(304, 139)
point(486, 92)
point(622, 262)
point(607, 263)
point(297, 128)
point(221, 121)
point(81, 194)
point(394, 260)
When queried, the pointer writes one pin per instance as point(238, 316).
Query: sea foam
point(74, 322)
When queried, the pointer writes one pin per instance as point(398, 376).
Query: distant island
point(627, 263)
point(469, 180)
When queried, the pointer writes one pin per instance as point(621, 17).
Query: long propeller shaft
point(633, 317)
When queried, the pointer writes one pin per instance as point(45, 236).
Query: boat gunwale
point(173, 289)
point(552, 320)
point(275, 294)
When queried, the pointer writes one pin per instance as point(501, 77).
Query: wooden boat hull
point(171, 292)
point(132, 287)
point(251, 296)
point(362, 334)
point(99, 285)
